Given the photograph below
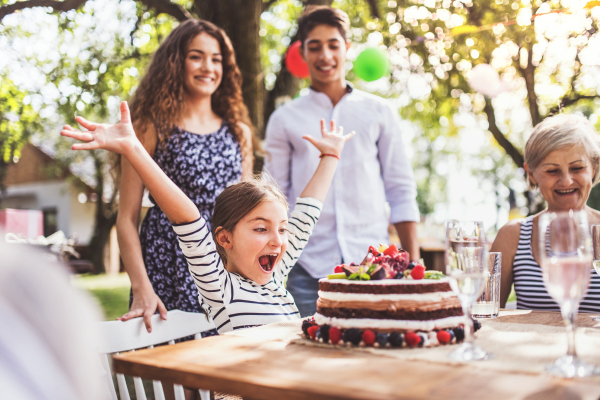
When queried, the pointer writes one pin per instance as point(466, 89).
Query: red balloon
point(294, 62)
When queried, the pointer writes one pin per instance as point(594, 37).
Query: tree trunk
point(241, 20)
point(101, 237)
point(105, 218)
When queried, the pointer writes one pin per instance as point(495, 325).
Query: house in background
point(63, 198)
point(68, 204)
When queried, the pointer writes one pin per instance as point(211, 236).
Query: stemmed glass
point(565, 257)
point(466, 267)
point(596, 246)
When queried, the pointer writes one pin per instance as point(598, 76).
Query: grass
point(111, 292)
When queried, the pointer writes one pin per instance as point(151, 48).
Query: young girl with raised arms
point(239, 269)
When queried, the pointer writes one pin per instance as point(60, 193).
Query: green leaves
point(18, 121)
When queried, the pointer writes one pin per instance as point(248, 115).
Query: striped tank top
point(529, 282)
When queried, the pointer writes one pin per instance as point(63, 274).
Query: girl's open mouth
point(267, 262)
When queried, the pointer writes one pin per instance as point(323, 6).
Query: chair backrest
point(130, 335)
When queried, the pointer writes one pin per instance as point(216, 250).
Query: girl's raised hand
point(118, 138)
point(332, 142)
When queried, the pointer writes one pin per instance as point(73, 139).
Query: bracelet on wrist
point(330, 155)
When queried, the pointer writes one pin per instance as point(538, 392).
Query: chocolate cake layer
point(386, 287)
point(403, 314)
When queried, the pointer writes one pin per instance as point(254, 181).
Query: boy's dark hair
point(322, 15)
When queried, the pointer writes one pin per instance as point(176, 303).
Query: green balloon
point(371, 64)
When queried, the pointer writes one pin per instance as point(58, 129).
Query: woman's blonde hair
point(560, 131)
point(236, 201)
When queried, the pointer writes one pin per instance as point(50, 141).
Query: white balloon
point(485, 79)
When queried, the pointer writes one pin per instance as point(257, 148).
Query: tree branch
point(160, 6)
point(568, 101)
point(268, 4)
point(528, 73)
point(374, 9)
point(57, 6)
point(510, 149)
point(165, 6)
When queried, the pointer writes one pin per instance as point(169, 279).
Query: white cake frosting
point(366, 323)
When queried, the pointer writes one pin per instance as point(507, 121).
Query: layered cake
point(388, 302)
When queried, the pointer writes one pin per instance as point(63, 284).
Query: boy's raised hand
point(332, 142)
point(118, 138)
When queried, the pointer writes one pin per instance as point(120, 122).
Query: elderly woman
point(562, 159)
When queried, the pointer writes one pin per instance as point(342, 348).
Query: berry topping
point(412, 264)
point(334, 335)
point(312, 331)
point(395, 339)
point(338, 269)
point(373, 250)
point(353, 336)
point(412, 339)
point(307, 323)
point(368, 337)
point(444, 337)
point(382, 339)
point(418, 272)
point(400, 275)
point(324, 333)
point(391, 251)
point(476, 325)
point(459, 333)
point(423, 338)
point(451, 332)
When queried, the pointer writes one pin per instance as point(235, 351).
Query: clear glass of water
point(596, 247)
point(565, 248)
point(488, 304)
point(466, 267)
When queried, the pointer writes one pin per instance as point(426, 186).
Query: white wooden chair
point(130, 335)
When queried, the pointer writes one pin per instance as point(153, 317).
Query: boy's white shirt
point(235, 302)
point(373, 169)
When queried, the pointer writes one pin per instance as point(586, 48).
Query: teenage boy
point(374, 167)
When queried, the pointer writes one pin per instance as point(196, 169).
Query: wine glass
point(466, 267)
point(596, 247)
point(565, 249)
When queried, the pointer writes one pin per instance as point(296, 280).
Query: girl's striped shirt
point(529, 281)
point(235, 302)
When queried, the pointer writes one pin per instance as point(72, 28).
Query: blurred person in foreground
point(47, 337)
point(562, 159)
point(374, 169)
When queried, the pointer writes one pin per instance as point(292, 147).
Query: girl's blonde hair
point(558, 132)
point(236, 201)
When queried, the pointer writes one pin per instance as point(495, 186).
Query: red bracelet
point(330, 155)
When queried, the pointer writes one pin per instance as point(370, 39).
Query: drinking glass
point(596, 247)
point(466, 267)
point(565, 249)
point(488, 304)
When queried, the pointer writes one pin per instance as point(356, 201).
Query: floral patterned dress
point(202, 166)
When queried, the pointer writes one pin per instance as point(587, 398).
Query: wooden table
point(260, 369)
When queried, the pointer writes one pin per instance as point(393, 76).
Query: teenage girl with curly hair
point(189, 115)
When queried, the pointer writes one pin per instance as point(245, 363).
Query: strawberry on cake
point(386, 301)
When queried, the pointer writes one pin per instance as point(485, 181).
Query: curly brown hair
point(159, 98)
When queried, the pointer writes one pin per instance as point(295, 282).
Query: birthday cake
point(386, 302)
